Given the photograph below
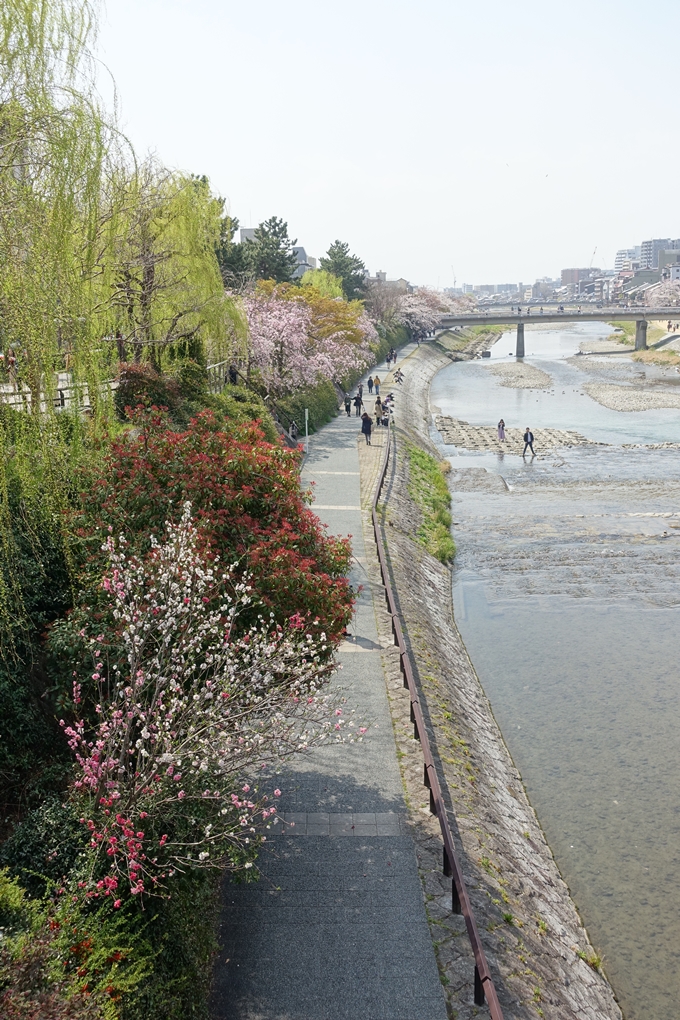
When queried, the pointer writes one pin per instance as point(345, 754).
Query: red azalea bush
point(246, 501)
point(142, 385)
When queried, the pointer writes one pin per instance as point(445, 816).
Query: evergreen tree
point(231, 256)
point(348, 268)
point(270, 256)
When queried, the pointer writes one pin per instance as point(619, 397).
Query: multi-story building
point(304, 262)
point(572, 277)
point(650, 251)
point(625, 256)
point(380, 279)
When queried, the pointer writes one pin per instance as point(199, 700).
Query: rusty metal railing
point(460, 901)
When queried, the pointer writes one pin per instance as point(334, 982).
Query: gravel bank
point(629, 398)
point(521, 376)
point(532, 934)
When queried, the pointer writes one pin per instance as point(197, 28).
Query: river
point(567, 595)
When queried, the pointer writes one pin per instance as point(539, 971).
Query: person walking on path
point(370, 384)
point(376, 383)
point(366, 425)
point(348, 404)
point(529, 442)
point(357, 404)
point(360, 389)
point(501, 431)
point(378, 410)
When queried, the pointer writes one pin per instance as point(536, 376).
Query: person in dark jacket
point(233, 375)
point(370, 384)
point(529, 442)
point(366, 425)
point(357, 405)
point(348, 404)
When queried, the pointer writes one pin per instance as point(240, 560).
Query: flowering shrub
point(189, 712)
point(66, 960)
point(247, 503)
point(142, 385)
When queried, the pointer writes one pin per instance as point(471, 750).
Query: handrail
point(484, 986)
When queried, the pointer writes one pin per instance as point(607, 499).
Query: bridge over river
point(639, 316)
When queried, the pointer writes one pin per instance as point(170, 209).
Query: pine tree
point(270, 255)
point(348, 268)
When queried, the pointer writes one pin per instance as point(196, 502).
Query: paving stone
point(336, 925)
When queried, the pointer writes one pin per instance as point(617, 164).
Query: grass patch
point(482, 329)
point(428, 489)
point(592, 959)
point(657, 357)
point(627, 334)
point(452, 341)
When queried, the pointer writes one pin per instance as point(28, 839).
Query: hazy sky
point(497, 141)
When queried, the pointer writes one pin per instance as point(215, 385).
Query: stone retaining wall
point(535, 942)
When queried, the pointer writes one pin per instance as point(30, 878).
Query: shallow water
point(469, 390)
point(567, 594)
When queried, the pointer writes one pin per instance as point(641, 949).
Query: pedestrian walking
point(348, 404)
point(357, 404)
point(529, 442)
point(366, 425)
point(501, 431)
point(378, 410)
point(360, 389)
point(233, 375)
point(370, 384)
point(376, 383)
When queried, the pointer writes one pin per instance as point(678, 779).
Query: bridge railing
point(484, 988)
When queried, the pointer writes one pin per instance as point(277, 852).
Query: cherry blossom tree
point(664, 295)
point(295, 339)
point(421, 311)
point(190, 711)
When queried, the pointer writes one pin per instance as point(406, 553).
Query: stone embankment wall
point(536, 944)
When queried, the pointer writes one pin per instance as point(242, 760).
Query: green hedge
point(321, 400)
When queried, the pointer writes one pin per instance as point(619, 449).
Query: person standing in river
point(501, 431)
point(529, 442)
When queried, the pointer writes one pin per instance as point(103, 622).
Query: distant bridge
point(588, 314)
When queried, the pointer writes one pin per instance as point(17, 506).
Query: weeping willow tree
point(102, 260)
point(168, 293)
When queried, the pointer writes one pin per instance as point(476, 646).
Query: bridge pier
point(519, 353)
point(641, 335)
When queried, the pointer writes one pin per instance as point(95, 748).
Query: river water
point(567, 595)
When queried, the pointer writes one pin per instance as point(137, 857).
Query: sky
point(444, 141)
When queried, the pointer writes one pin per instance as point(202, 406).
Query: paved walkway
point(336, 926)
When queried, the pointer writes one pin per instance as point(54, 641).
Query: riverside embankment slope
point(533, 937)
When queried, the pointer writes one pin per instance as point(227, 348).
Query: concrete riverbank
point(542, 960)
